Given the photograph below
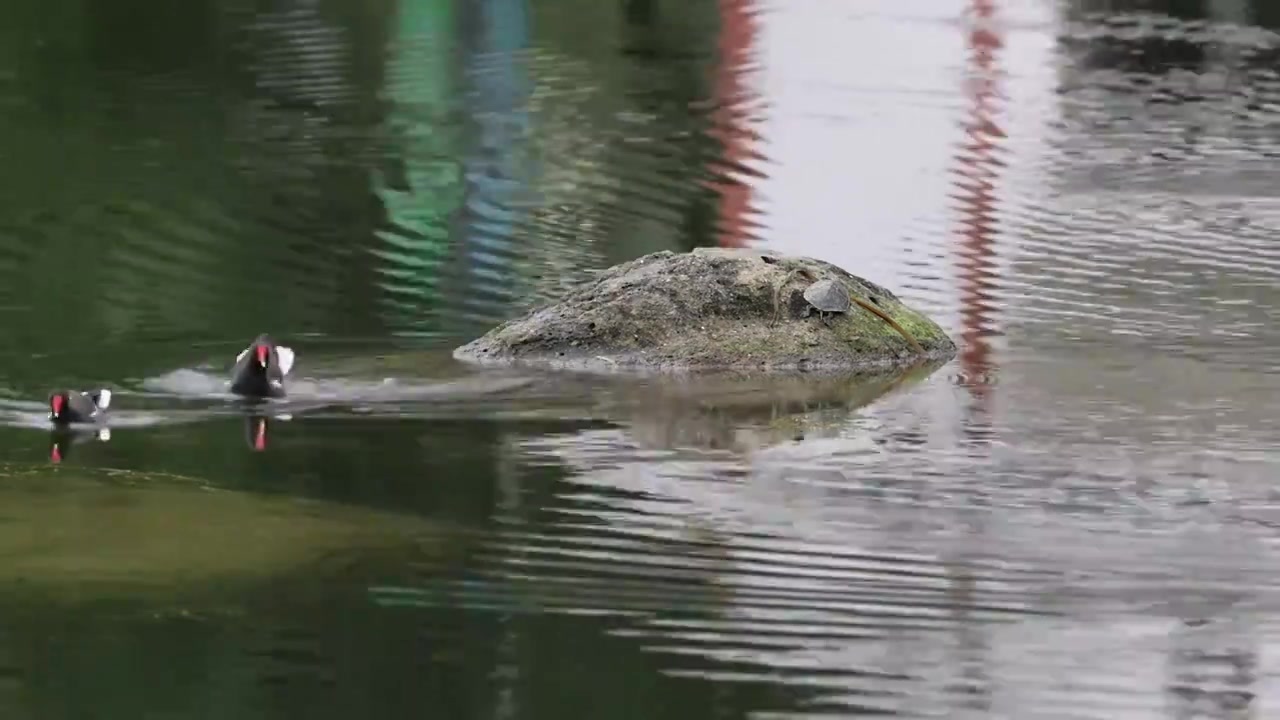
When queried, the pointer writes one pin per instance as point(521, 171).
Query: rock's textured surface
point(713, 308)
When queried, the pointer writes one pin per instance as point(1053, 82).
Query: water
point(1076, 518)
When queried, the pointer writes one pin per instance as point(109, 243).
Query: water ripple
point(1076, 518)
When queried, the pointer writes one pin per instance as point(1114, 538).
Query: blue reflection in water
point(497, 174)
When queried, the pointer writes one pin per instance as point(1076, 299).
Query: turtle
point(826, 297)
point(831, 297)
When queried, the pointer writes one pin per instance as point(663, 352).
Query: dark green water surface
point(1075, 518)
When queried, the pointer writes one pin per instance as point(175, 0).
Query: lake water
point(1078, 517)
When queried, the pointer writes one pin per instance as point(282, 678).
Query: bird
point(70, 406)
point(261, 368)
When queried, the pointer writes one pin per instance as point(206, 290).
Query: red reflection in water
point(55, 454)
point(738, 31)
point(978, 169)
point(260, 436)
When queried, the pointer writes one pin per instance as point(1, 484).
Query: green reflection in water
point(421, 182)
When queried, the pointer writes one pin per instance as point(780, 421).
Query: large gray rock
point(714, 308)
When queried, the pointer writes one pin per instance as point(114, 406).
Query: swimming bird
point(69, 406)
point(261, 368)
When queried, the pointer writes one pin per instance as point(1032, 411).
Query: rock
point(713, 308)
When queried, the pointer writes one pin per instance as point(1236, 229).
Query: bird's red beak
point(262, 351)
point(56, 403)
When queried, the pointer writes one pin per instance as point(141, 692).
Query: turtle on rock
point(826, 297)
point(831, 297)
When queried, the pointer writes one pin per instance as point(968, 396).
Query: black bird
point(69, 406)
point(260, 369)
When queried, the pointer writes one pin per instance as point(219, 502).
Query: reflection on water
point(1074, 518)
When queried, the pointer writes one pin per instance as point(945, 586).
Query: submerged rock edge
point(711, 309)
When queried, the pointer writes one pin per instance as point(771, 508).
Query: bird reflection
point(255, 429)
point(62, 440)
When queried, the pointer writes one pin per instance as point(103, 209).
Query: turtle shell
point(828, 296)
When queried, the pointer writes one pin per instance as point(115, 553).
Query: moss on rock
point(712, 308)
